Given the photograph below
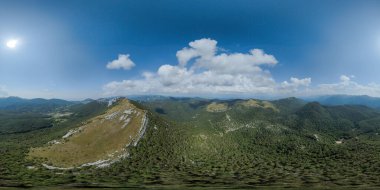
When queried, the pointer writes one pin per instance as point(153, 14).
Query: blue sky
point(318, 47)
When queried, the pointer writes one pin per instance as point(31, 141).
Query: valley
point(193, 142)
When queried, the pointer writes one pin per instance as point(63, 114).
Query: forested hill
point(205, 143)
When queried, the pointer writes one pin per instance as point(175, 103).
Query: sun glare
point(12, 43)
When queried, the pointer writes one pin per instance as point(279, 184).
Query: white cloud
point(204, 51)
point(205, 48)
point(3, 91)
point(347, 86)
point(295, 84)
point(123, 62)
point(202, 71)
point(345, 78)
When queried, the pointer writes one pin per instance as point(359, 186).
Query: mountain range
point(189, 142)
point(369, 101)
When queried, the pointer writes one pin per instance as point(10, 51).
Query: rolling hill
point(189, 142)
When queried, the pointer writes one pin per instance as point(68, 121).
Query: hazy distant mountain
point(372, 102)
point(22, 115)
point(32, 105)
point(146, 97)
point(86, 101)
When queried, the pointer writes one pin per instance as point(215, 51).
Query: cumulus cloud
point(295, 84)
point(204, 52)
point(201, 70)
point(346, 86)
point(205, 48)
point(122, 62)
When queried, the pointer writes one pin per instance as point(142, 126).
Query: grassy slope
point(101, 138)
point(15, 147)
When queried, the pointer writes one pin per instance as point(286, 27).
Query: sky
point(77, 49)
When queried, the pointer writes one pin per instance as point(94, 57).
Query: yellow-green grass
point(217, 107)
point(101, 138)
point(259, 104)
point(269, 105)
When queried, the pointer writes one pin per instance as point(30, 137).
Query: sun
point(12, 43)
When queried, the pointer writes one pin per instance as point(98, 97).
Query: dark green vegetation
point(14, 122)
point(215, 143)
